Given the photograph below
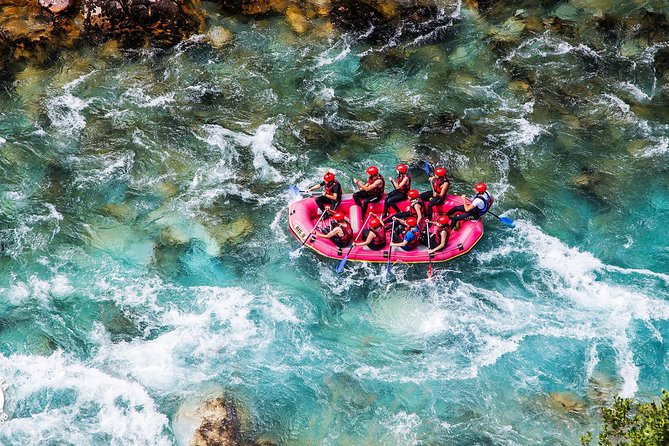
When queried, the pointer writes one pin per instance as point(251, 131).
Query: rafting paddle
point(429, 254)
point(296, 251)
point(340, 267)
point(506, 221)
point(390, 248)
point(427, 168)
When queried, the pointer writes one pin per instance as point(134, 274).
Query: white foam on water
point(635, 91)
point(102, 169)
point(660, 148)
point(260, 143)
point(64, 111)
point(194, 340)
point(613, 101)
point(2, 141)
point(138, 96)
point(39, 289)
point(609, 309)
point(326, 59)
point(402, 429)
point(65, 401)
point(525, 132)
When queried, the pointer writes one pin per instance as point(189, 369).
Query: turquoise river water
point(147, 264)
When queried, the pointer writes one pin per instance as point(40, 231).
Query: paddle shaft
point(343, 261)
point(390, 248)
point(314, 229)
point(429, 255)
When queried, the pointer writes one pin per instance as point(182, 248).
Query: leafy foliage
point(634, 424)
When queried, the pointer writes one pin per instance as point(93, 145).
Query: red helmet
point(375, 222)
point(411, 221)
point(413, 193)
point(480, 187)
point(372, 170)
point(401, 168)
point(443, 220)
point(440, 171)
point(338, 216)
point(328, 177)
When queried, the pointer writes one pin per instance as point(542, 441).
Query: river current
point(147, 266)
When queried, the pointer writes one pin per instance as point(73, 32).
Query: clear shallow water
point(147, 262)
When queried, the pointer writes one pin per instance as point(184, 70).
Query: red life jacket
point(377, 191)
point(379, 237)
point(407, 186)
point(329, 188)
point(437, 183)
point(348, 231)
point(412, 209)
point(436, 231)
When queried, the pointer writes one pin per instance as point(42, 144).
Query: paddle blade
point(340, 267)
point(294, 189)
point(427, 168)
point(429, 271)
point(507, 221)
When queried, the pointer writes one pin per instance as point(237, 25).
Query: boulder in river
point(216, 422)
point(137, 22)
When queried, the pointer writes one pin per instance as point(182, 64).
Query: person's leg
point(435, 201)
point(392, 199)
point(320, 203)
point(389, 220)
point(458, 218)
point(426, 196)
point(455, 209)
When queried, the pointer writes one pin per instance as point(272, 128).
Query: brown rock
point(220, 425)
point(137, 22)
point(297, 20)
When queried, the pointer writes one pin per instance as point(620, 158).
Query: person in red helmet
point(408, 235)
point(402, 186)
point(370, 192)
point(436, 196)
point(471, 209)
point(415, 209)
point(439, 232)
point(374, 237)
point(332, 194)
point(340, 231)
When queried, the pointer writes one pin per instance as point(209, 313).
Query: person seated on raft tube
point(372, 191)
point(477, 208)
point(415, 209)
point(402, 186)
point(409, 235)
point(340, 230)
point(439, 232)
point(440, 185)
point(332, 194)
point(374, 237)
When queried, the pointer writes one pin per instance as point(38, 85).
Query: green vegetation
point(634, 424)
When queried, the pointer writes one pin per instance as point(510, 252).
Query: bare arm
point(367, 241)
point(335, 231)
point(441, 245)
point(419, 214)
point(468, 206)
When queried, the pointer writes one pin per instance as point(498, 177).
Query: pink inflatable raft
point(303, 216)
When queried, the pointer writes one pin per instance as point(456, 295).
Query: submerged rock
point(566, 402)
point(220, 425)
point(219, 37)
point(216, 422)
